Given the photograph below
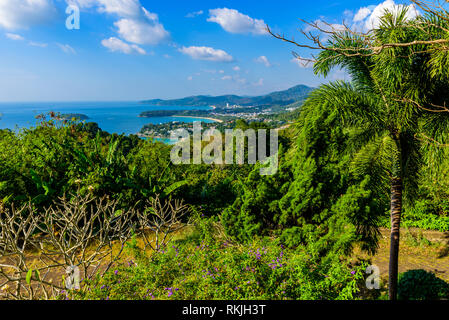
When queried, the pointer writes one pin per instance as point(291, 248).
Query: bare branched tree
point(36, 248)
point(162, 218)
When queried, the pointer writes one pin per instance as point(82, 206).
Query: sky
point(129, 50)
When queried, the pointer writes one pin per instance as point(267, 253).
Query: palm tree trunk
point(395, 211)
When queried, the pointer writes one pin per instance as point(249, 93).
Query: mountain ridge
point(283, 98)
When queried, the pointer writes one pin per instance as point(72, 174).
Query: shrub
point(421, 285)
point(196, 269)
point(424, 214)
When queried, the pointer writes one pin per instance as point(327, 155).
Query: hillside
point(282, 98)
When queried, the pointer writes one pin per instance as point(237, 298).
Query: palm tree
point(389, 104)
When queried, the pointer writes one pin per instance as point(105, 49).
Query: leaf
point(47, 188)
point(36, 179)
point(7, 198)
point(173, 187)
point(84, 160)
point(37, 275)
point(111, 152)
point(28, 277)
point(39, 199)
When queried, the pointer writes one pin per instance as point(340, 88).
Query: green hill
point(281, 98)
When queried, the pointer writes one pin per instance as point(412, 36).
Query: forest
point(360, 156)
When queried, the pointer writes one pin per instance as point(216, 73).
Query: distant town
point(275, 110)
point(223, 118)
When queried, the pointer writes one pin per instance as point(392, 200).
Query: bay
point(113, 117)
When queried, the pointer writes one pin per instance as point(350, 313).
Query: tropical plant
point(394, 137)
point(422, 285)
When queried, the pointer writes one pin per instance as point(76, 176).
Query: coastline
point(206, 118)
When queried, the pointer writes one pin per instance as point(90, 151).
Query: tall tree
point(390, 102)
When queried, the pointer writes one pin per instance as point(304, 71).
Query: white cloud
point(362, 14)
point(226, 78)
point(301, 63)
point(66, 48)
point(38, 44)
point(339, 74)
point(82, 3)
point(18, 37)
point(241, 80)
point(25, 13)
point(235, 22)
point(236, 68)
point(143, 29)
point(14, 36)
point(264, 60)
point(368, 18)
point(194, 14)
point(348, 13)
point(117, 45)
point(136, 24)
point(325, 26)
point(259, 83)
point(221, 71)
point(190, 78)
point(141, 32)
point(123, 8)
point(207, 53)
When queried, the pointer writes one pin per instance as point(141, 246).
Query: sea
point(113, 117)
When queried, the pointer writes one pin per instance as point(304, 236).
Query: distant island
point(71, 116)
point(160, 113)
point(279, 98)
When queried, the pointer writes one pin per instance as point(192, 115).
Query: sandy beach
point(212, 119)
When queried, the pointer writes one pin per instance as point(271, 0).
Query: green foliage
point(424, 214)
point(255, 209)
point(217, 269)
point(51, 160)
point(417, 240)
point(421, 285)
point(354, 138)
point(332, 189)
point(314, 197)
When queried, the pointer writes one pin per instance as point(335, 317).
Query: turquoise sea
point(113, 117)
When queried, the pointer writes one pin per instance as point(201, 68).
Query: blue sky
point(133, 50)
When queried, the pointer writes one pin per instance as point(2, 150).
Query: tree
point(393, 102)
point(325, 204)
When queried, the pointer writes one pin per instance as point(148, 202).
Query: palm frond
point(353, 107)
point(375, 160)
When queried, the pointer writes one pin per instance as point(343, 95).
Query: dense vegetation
point(203, 267)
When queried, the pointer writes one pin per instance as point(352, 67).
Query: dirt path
point(428, 250)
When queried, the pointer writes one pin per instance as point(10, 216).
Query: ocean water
point(113, 117)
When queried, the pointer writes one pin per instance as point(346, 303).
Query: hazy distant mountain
point(282, 98)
